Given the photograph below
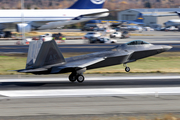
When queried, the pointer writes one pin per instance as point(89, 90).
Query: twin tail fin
point(42, 54)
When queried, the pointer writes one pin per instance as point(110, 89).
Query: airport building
point(150, 15)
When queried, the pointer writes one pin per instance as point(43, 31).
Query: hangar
point(151, 16)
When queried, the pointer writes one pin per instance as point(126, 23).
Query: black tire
point(80, 78)
point(112, 36)
point(122, 37)
point(97, 42)
point(72, 77)
point(127, 69)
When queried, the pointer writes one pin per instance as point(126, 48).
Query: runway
point(93, 86)
point(77, 48)
point(91, 92)
point(80, 45)
point(99, 95)
point(54, 97)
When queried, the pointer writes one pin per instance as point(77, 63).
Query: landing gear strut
point(127, 69)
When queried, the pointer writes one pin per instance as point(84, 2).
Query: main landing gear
point(127, 69)
point(78, 77)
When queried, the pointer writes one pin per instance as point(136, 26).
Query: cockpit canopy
point(137, 42)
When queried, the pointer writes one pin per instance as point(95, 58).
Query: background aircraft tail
point(43, 54)
point(88, 4)
point(139, 18)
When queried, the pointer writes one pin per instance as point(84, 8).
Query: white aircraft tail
point(88, 4)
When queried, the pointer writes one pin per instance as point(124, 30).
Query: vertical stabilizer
point(139, 18)
point(33, 51)
point(88, 4)
point(47, 53)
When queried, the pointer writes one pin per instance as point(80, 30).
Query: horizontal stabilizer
point(32, 70)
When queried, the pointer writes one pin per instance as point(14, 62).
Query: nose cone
point(166, 48)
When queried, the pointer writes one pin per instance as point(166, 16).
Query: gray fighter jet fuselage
point(46, 58)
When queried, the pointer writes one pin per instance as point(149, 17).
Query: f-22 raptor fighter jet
point(46, 58)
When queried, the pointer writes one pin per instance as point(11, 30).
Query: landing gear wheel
point(80, 78)
point(127, 69)
point(72, 78)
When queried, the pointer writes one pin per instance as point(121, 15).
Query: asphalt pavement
point(54, 97)
point(99, 95)
point(80, 45)
point(97, 81)
point(76, 48)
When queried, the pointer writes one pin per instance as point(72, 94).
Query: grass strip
point(168, 62)
point(34, 33)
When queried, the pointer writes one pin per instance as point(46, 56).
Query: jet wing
point(78, 64)
point(89, 15)
point(85, 62)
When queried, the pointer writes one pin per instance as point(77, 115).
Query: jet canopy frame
point(137, 42)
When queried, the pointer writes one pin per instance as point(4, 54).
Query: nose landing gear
point(127, 69)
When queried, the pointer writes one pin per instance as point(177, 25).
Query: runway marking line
point(87, 79)
point(92, 92)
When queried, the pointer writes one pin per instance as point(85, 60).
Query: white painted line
point(87, 79)
point(92, 92)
